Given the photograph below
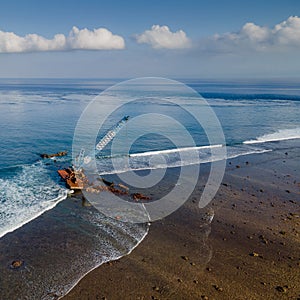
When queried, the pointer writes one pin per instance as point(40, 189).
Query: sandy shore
point(249, 251)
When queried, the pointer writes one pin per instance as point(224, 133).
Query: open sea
point(40, 116)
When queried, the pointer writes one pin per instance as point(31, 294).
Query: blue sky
point(205, 39)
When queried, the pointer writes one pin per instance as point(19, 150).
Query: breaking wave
point(171, 158)
point(280, 135)
point(26, 195)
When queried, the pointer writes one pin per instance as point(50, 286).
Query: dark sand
point(249, 251)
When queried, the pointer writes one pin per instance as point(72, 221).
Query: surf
point(171, 158)
point(27, 193)
point(279, 135)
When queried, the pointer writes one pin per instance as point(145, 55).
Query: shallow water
point(60, 247)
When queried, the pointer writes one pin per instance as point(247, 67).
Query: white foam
point(146, 160)
point(258, 151)
point(106, 260)
point(26, 196)
point(280, 135)
point(175, 150)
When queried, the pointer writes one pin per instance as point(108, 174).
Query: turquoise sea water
point(40, 115)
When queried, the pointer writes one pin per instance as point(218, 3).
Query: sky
point(128, 39)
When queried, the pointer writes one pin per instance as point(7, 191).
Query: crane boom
point(81, 159)
point(111, 133)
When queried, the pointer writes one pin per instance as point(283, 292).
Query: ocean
point(40, 116)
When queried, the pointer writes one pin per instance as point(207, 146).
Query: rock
point(219, 289)
point(184, 257)
point(16, 264)
point(204, 297)
point(254, 254)
point(45, 155)
point(192, 264)
point(196, 281)
point(179, 280)
point(281, 289)
point(282, 232)
point(139, 196)
point(288, 191)
point(156, 288)
point(263, 239)
point(237, 166)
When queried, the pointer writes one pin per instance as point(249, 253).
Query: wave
point(172, 158)
point(176, 150)
point(138, 238)
point(280, 135)
point(79, 239)
point(261, 97)
point(26, 195)
point(159, 159)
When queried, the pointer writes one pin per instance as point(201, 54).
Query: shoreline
point(251, 245)
point(253, 257)
point(98, 266)
point(55, 202)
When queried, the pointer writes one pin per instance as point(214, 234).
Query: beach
point(250, 250)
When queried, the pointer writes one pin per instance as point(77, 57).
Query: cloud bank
point(78, 39)
point(159, 37)
point(283, 36)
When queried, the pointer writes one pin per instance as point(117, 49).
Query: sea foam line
point(280, 135)
point(175, 150)
point(39, 213)
point(105, 261)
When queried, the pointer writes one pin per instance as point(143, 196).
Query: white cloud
point(98, 39)
point(161, 37)
point(288, 32)
point(84, 39)
point(282, 36)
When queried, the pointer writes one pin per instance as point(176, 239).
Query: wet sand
point(249, 251)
